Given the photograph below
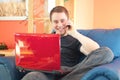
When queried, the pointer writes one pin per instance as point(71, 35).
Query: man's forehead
point(59, 16)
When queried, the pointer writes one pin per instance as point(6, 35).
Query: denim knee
point(106, 52)
point(35, 76)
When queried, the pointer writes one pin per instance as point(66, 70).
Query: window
point(13, 9)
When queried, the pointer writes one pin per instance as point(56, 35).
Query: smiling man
point(73, 44)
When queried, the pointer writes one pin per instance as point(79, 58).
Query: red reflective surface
point(38, 51)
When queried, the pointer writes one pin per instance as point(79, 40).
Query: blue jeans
point(97, 57)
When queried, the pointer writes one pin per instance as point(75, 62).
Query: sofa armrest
point(109, 71)
point(8, 69)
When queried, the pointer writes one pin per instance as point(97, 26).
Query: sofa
point(104, 37)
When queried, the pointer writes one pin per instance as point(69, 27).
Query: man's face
point(59, 21)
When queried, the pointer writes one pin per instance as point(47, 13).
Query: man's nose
point(59, 24)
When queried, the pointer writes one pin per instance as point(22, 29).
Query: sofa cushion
point(101, 74)
point(105, 37)
point(8, 68)
point(104, 72)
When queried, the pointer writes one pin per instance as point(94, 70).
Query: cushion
point(104, 72)
point(105, 37)
point(101, 74)
point(8, 68)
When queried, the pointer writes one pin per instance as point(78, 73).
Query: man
point(72, 45)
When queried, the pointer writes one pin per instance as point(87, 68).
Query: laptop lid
point(37, 51)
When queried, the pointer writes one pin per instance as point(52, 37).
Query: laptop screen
point(37, 51)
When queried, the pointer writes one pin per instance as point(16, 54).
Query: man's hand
point(71, 28)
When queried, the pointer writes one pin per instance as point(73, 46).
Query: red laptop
point(37, 51)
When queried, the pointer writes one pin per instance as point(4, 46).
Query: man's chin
point(63, 34)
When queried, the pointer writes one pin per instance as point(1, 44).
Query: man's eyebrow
point(63, 19)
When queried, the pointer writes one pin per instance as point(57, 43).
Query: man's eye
point(56, 22)
point(62, 21)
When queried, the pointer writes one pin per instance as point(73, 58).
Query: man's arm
point(88, 45)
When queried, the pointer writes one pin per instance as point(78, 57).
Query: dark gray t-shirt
point(70, 51)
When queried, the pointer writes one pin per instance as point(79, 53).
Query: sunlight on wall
point(84, 14)
point(51, 4)
point(107, 14)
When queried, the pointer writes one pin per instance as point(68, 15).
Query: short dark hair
point(59, 9)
